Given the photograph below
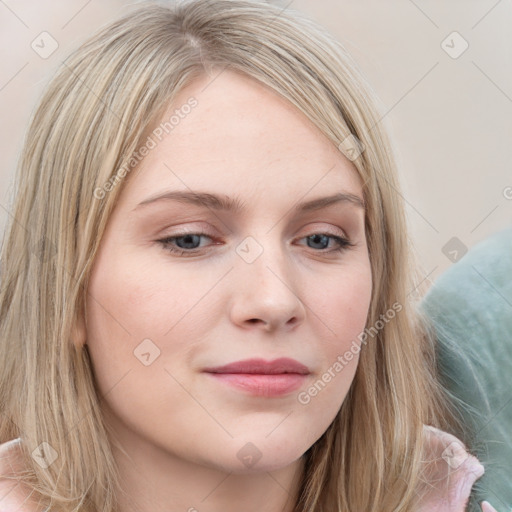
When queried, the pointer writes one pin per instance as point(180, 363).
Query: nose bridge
point(267, 290)
point(263, 258)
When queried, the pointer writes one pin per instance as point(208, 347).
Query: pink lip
point(262, 367)
point(260, 377)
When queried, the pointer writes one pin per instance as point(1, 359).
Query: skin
point(177, 432)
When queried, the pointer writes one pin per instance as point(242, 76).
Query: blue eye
point(188, 243)
point(343, 243)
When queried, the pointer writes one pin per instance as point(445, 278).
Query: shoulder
point(450, 472)
point(13, 497)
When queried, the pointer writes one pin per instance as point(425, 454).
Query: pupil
point(315, 237)
point(187, 239)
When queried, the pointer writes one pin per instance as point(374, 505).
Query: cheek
point(342, 304)
point(130, 302)
point(341, 310)
point(130, 298)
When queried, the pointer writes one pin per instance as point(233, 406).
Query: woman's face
point(266, 281)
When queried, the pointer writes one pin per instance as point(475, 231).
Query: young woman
point(206, 284)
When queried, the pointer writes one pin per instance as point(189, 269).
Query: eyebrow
point(226, 203)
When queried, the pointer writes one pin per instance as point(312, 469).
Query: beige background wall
point(449, 111)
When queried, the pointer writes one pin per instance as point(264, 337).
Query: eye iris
point(315, 238)
point(187, 239)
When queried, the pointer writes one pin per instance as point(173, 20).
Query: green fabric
point(471, 308)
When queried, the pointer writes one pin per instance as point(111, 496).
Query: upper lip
point(260, 366)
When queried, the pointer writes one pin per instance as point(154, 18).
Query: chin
point(263, 455)
point(262, 466)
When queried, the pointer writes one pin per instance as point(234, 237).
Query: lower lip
point(263, 384)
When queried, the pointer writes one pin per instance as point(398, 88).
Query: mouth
point(260, 377)
point(282, 365)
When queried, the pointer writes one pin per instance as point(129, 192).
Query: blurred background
point(441, 69)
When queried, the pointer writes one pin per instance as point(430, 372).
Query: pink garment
point(452, 471)
point(13, 496)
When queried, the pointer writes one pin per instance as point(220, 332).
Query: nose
point(266, 293)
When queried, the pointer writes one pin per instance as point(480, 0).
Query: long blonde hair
point(91, 119)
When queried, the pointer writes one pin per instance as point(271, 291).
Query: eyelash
point(343, 243)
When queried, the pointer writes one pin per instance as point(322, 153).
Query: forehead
point(241, 136)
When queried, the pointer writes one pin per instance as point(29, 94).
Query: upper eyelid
point(202, 226)
point(198, 231)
